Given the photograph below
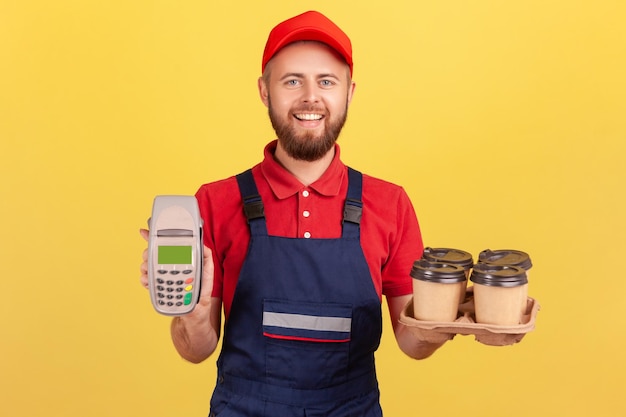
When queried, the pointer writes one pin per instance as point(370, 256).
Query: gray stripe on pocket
point(300, 321)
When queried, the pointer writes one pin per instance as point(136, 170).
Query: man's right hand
point(195, 334)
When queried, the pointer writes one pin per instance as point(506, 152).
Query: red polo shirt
point(390, 234)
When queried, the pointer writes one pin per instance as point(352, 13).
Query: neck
point(306, 172)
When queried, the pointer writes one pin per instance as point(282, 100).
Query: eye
point(292, 82)
point(326, 83)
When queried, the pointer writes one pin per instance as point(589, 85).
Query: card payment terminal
point(175, 250)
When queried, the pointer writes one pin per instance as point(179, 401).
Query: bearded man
point(300, 249)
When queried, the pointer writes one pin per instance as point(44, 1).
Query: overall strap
point(252, 203)
point(353, 207)
point(255, 213)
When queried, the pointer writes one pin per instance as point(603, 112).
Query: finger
point(207, 262)
point(207, 273)
point(143, 268)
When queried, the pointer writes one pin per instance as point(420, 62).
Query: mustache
point(311, 109)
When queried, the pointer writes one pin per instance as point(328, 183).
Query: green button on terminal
point(187, 299)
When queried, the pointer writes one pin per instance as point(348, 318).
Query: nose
point(310, 93)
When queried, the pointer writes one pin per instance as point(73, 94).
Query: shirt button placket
point(306, 213)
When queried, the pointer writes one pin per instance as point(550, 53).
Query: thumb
point(207, 272)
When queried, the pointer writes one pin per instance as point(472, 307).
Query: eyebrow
point(301, 75)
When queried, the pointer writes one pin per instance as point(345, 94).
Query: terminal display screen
point(168, 255)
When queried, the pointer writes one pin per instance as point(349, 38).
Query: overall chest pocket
point(307, 345)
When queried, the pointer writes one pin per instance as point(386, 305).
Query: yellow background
point(504, 120)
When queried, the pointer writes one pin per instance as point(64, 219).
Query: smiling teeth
point(309, 116)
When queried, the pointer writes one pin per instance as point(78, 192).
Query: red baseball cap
point(309, 26)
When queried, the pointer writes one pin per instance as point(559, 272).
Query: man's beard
point(307, 146)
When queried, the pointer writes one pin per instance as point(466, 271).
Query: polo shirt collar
point(284, 184)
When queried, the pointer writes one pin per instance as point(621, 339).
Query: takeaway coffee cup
point(451, 256)
point(506, 257)
point(437, 289)
point(500, 293)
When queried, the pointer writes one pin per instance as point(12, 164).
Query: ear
point(263, 91)
point(351, 91)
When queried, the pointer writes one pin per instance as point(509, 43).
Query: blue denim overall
point(304, 323)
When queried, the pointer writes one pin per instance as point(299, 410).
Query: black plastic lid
point(505, 257)
point(435, 271)
point(498, 275)
point(450, 256)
